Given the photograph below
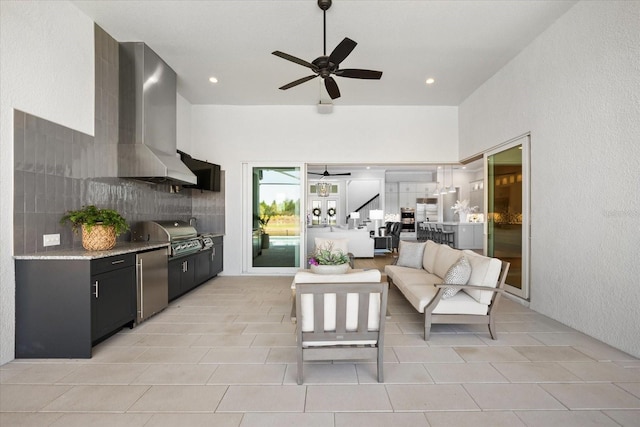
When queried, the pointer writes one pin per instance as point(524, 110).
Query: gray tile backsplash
point(58, 169)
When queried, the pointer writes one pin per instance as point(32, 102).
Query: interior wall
point(46, 67)
point(230, 135)
point(576, 89)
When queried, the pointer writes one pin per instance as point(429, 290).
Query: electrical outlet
point(51, 239)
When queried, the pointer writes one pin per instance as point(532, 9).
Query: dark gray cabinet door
point(216, 257)
point(202, 263)
point(182, 277)
point(113, 301)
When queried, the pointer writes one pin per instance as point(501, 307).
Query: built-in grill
point(182, 236)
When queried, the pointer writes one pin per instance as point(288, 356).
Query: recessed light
point(213, 80)
point(430, 81)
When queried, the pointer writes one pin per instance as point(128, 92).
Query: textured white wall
point(230, 135)
point(46, 69)
point(576, 88)
point(183, 125)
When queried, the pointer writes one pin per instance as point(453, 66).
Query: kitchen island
point(467, 235)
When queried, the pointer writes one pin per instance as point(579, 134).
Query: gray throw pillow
point(410, 254)
point(458, 274)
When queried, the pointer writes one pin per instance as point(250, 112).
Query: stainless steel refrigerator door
point(153, 282)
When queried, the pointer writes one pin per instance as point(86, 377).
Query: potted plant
point(99, 226)
point(263, 220)
point(463, 210)
point(327, 261)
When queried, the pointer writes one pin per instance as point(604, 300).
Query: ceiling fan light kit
point(325, 66)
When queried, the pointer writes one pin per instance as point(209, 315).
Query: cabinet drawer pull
point(96, 286)
point(120, 261)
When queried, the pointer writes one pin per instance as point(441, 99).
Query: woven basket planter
point(100, 238)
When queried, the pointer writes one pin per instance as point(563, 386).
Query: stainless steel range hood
point(147, 121)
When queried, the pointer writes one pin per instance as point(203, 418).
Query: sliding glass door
point(508, 211)
point(272, 219)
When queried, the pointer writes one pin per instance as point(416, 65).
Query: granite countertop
point(80, 253)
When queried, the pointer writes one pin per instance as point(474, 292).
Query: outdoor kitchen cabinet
point(113, 294)
point(203, 266)
point(64, 306)
point(216, 256)
point(182, 276)
point(187, 272)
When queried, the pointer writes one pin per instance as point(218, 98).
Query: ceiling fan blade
point(332, 87)
point(297, 82)
point(342, 50)
point(294, 59)
point(341, 174)
point(359, 74)
point(316, 173)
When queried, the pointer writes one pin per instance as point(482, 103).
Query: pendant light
point(452, 189)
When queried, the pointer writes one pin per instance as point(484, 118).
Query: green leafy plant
point(327, 256)
point(264, 221)
point(91, 215)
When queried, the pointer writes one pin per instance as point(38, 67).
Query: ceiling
point(458, 43)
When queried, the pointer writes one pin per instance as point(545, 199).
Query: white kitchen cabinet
point(407, 187)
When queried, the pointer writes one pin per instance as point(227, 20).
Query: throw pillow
point(458, 274)
point(410, 254)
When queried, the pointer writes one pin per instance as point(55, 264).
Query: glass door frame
point(247, 219)
point(525, 141)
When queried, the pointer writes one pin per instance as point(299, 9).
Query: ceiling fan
point(325, 66)
point(326, 173)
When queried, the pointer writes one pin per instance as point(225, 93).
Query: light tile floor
point(224, 355)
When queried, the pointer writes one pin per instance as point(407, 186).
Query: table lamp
point(376, 215)
point(355, 216)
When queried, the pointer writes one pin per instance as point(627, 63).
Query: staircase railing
point(370, 205)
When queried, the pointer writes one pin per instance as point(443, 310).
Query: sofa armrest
point(471, 287)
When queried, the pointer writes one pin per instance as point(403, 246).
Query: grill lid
point(162, 231)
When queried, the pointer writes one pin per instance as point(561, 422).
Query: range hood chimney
point(147, 140)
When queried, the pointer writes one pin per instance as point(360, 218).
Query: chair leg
point(300, 363)
point(427, 326)
point(492, 329)
point(380, 365)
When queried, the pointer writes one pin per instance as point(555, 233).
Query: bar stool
point(422, 232)
point(446, 236)
point(433, 233)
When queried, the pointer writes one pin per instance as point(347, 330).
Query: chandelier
point(323, 188)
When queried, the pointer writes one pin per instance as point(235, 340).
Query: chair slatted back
point(342, 332)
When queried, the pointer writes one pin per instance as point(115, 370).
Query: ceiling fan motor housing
point(325, 67)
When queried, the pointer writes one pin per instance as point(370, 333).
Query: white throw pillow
point(458, 274)
point(410, 254)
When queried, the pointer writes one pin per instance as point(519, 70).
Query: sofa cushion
point(445, 258)
point(420, 295)
point(352, 276)
point(458, 274)
point(429, 258)
point(334, 244)
point(410, 254)
point(485, 271)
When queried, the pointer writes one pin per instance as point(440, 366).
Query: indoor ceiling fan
point(324, 66)
point(326, 173)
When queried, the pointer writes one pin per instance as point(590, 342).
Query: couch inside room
point(360, 244)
